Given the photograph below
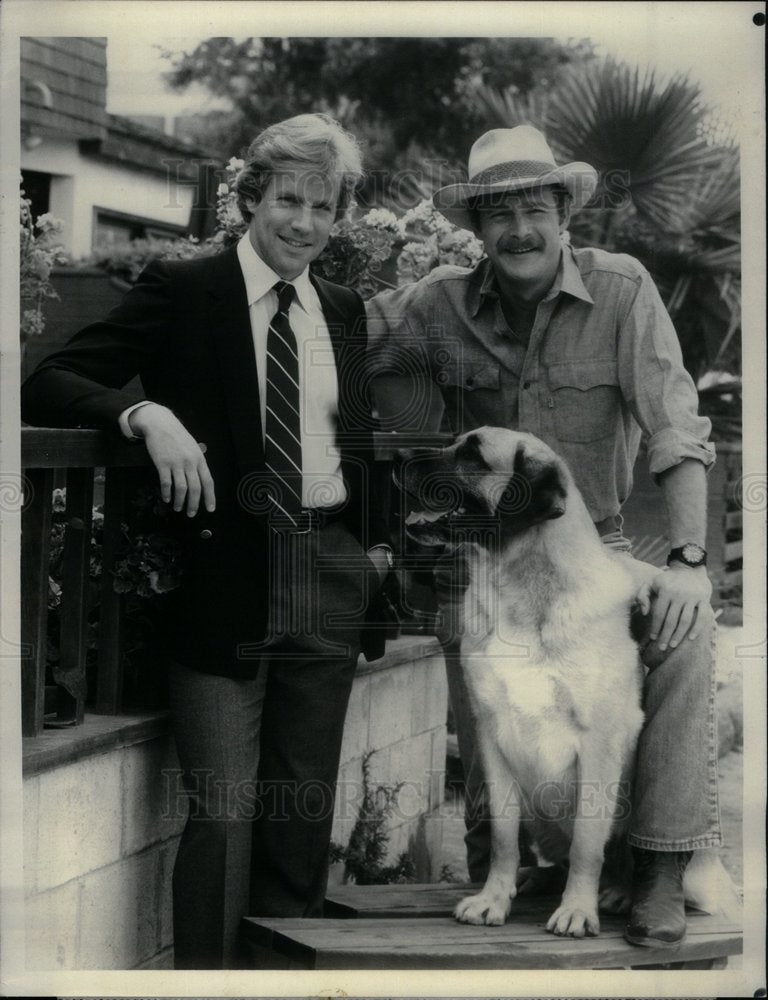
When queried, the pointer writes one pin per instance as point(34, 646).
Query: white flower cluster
point(382, 218)
point(437, 242)
point(49, 224)
point(424, 219)
point(460, 247)
point(416, 260)
point(231, 224)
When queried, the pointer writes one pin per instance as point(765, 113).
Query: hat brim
point(579, 179)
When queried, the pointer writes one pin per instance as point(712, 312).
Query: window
point(37, 187)
point(116, 228)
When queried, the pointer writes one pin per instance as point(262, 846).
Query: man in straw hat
point(575, 346)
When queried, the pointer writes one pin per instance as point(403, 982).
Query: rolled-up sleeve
point(658, 389)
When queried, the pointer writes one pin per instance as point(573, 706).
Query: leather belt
point(309, 519)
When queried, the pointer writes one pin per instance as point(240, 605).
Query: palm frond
point(509, 107)
point(635, 131)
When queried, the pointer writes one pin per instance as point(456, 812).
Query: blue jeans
point(675, 801)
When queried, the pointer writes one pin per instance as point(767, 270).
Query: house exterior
point(108, 178)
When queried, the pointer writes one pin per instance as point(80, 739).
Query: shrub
point(39, 252)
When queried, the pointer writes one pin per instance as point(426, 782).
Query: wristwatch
point(690, 554)
point(388, 553)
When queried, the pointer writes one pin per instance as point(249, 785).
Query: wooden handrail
point(78, 452)
point(66, 448)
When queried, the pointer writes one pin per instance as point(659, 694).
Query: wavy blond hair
point(308, 141)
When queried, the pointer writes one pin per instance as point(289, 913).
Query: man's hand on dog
point(673, 598)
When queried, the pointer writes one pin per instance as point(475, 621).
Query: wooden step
point(411, 927)
point(436, 899)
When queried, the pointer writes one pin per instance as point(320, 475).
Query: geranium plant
point(39, 252)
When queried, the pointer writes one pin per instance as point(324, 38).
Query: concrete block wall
point(99, 846)
point(101, 834)
point(398, 709)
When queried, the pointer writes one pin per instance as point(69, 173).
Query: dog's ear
point(549, 494)
point(536, 491)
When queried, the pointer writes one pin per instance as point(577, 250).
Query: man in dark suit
point(262, 440)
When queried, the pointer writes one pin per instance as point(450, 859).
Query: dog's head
point(491, 479)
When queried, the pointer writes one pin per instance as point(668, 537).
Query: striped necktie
point(282, 437)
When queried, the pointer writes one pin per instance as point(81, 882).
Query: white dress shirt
point(322, 481)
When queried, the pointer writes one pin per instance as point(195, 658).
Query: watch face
point(692, 553)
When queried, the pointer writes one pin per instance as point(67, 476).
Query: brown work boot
point(657, 915)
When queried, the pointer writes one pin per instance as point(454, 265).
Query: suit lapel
point(335, 316)
point(230, 325)
point(345, 348)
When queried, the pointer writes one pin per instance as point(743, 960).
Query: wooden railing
point(70, 458)
point(51, 457)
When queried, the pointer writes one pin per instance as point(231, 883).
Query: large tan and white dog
point(553, 673)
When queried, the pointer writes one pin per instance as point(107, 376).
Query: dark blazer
point(184, 328)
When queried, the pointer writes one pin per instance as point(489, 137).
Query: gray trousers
point(259, 757)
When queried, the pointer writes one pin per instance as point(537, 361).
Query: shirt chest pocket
point(468, 375)
point(586, 399)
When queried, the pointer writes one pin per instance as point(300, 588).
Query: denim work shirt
point(601, 367)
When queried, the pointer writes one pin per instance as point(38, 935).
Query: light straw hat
point(511, 159)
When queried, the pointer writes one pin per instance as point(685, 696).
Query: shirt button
point(526, 385)
point(470, 381)
point(206, 533)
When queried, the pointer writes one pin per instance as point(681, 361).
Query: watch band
point(691, 554)
point(387, 550)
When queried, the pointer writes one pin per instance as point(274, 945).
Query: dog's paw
point(485, 908)
point(574, 921)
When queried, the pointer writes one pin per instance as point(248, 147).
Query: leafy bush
point(148, 565)
point(364, 855)
point(128, 260)
point(39, 252)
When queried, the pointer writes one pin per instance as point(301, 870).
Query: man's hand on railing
point(178, 458)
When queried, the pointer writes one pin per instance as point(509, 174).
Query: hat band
point(512, 170)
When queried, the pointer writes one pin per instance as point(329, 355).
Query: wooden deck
point(411, 927)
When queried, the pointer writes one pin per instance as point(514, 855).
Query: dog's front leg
point(577, 914)
point(493, 903)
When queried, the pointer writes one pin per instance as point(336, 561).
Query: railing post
point(70, 674)
point(44, 451)
point(35, 552)
point(110, 676)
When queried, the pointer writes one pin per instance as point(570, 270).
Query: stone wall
point(398, 709)
point(98, 854)
point(101, 832)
